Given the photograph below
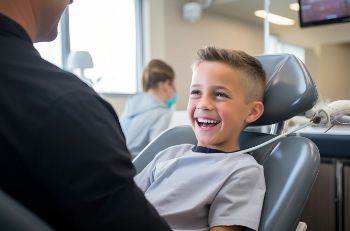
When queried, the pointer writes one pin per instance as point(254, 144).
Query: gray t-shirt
point(197, 191)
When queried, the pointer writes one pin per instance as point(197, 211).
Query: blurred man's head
point(39, 18)
point(47, 15)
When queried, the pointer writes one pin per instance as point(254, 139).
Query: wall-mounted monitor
point(321, 12)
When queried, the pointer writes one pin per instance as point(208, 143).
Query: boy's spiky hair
point(254, 75)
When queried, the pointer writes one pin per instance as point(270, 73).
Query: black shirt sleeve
point(85, 169)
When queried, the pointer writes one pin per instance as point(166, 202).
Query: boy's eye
point(221, 94)
point(195, 92)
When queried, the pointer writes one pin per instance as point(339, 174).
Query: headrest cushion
point(289, 90)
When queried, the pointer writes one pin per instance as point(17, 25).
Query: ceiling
point(244, 9)
point(309, 37)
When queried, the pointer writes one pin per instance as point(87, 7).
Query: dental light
point(335, 113)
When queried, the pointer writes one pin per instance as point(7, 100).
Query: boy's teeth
point(207, 121)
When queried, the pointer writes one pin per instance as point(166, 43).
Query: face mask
point(171, 101)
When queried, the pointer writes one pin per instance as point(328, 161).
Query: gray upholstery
point(290, 164)
point(289, 89)
point(15, 217)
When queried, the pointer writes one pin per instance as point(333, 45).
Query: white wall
point(329, 67)
point(334, 72)
point(170, 37)
point(118, 102)
point(182, 39)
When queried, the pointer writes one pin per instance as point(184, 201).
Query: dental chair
point(15, 217)
point(291, 163)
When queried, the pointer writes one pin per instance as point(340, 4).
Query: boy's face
point(217, 108)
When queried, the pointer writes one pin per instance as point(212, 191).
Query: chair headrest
point(289, 90)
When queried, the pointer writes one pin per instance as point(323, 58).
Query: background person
point(149, 113)
point(62, 151)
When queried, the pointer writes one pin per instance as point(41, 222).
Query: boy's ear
point(256, 111)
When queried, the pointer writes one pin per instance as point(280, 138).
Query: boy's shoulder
point(246, 160)
point(174, 151)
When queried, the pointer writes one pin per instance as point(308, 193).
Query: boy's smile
point(217, 106)
point(206, 123)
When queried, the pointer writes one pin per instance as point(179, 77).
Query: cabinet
point(347, 196)
point(320, 211)
point(328, 206)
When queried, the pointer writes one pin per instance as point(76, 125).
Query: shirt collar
point(10, 28)
point(207, 150)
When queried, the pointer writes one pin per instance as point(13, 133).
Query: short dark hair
point(156, 71)
point(238, 60)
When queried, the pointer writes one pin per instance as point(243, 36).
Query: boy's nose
point(205, 104)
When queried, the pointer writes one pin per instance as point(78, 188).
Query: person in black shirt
point(62, 152)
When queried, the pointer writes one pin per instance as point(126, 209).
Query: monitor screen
point(320, 12)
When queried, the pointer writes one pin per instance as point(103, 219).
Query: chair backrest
point(15, 217)
point(290, 164)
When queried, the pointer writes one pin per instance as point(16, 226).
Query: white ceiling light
point(294, 6)
point(192, 11)
point(275, 19)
